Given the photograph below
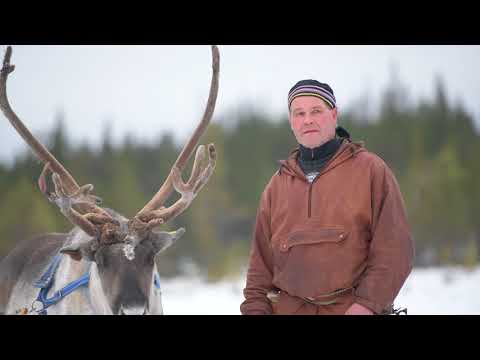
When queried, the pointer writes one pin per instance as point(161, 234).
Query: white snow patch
point(447, 290)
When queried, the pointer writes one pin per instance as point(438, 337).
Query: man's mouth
point(310, 131)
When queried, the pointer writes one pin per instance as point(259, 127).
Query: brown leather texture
point(347, 229)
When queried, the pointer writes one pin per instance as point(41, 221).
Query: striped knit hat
point(312, 88)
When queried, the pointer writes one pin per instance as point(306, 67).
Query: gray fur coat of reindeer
point(106, 263)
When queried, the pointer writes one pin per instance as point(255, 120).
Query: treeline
point(431, 146)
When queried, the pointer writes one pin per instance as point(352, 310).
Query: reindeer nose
point(133, 310)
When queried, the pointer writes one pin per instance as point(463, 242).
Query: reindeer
point(106, 263)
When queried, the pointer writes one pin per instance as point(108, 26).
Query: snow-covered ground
point(446, 291)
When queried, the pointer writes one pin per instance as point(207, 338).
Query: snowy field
point(444, 291)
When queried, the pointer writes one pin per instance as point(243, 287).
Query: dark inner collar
point(324, 151)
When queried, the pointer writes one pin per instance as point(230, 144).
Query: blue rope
point(156, 281)
point(59, 294)
point(46, 282)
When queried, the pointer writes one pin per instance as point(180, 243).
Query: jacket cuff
point(256, 307)
point(375, 307)
point(256, 312)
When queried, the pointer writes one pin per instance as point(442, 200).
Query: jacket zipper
point(310, 192)
point(310, 200)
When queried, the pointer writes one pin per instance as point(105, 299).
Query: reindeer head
point(121, 249)
point(122, 284)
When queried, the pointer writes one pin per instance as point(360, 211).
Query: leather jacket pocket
point(318, 236)
point(315, 261)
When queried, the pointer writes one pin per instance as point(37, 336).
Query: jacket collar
point(320, 152)
point(347, 150)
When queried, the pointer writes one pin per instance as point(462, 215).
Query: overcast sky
point(146, 90)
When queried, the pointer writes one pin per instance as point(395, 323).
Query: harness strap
point(63, 292)
point(46, 281)
point(156, 281)
point(47, 278)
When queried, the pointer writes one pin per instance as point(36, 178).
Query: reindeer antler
point(80, 206)
point(154, 214)
point(67, 192)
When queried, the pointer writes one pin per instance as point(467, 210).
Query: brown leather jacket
point(346, 230)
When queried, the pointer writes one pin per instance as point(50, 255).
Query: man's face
point(312, 121)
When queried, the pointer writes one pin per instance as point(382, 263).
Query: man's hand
point(357, 309)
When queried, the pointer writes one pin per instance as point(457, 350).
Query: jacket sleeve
point(260, 269)
point(391, 252)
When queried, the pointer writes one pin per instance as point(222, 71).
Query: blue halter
point(156, 281)
point(46, 281)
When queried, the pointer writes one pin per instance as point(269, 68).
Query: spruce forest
point(432, 147)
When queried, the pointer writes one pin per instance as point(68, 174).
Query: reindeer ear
point(78, 251)
point(162, 240)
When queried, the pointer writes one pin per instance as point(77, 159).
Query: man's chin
point(309, 145)
point(312, 140)
point(312, 144)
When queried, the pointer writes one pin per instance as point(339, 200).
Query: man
point(331, 234)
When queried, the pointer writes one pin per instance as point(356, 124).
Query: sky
point(145, 91)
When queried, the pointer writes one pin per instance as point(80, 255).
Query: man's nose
point(307, 119)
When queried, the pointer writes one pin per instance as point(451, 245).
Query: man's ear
point(335, 113)
point(79, 251)
point(162, 240)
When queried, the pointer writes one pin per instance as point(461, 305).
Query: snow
point(443, 291)
point(430, 291)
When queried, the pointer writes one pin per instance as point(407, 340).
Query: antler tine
point(187, 190)
point(67, 191)
point(40, 150)
point(166, 189)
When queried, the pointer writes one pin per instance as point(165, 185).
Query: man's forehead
point(303, 102)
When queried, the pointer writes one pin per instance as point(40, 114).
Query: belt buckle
point(273, 295)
